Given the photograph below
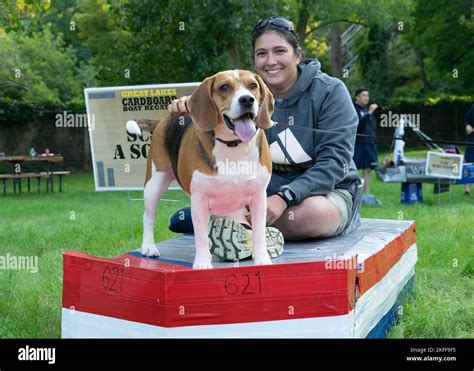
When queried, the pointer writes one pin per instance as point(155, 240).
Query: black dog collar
point(230, 143)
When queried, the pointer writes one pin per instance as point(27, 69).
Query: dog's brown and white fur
point(187, 150)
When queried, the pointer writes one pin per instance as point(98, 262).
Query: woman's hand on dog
point(181, 105)
point(275, 208)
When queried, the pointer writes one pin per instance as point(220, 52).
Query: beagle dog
point(219, 155)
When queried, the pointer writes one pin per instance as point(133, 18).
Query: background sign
point(444, 165)
point(119, 158)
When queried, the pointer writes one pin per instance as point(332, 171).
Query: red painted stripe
point(378, 265)
point(182, 297)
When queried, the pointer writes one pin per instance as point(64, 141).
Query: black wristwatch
point(288, 195)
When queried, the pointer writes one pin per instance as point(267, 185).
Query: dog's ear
point(203, 110)
point(264, 118)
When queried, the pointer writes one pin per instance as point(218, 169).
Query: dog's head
point(237, 99)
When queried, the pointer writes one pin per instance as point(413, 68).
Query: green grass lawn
point(106, 224)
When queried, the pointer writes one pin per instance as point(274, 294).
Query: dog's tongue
point(244, 129)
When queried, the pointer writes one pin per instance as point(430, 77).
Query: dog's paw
point(149, 251)
point(202, 261)
point(261, 258)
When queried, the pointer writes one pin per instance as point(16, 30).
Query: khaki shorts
point(342, 199)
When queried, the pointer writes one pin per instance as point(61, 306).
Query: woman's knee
point(315, 217)
point(318, 208)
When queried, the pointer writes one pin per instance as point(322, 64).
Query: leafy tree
point(100, 29)
point(442, 32)
point(168, 41)
point(18, 15)
point(374, 62)
point(62, 46)
point(40, 68)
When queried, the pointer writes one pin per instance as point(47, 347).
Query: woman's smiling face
point(276, 61)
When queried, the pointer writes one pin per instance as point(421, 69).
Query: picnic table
point(17, 173)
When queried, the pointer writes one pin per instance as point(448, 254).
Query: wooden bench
point(51, 179)
point(17, 180)
point(45, 175)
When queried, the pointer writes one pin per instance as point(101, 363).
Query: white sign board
point(444, 165)
point(119, 158)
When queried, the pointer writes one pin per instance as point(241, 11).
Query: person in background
point(365, 150)
point(469, 155)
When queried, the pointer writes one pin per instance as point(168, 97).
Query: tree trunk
point(234, 56)
point(336, 58)
point(421, 64)
point(303, 17)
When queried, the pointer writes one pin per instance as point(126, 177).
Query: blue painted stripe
point(102, 95)
point(100, 173)
point(110, 176)
point(162, 260)
point(382, 328)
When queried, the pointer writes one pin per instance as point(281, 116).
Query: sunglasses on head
point(280, 22)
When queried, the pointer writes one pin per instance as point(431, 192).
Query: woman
point(314, 184)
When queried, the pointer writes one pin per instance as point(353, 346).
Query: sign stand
point(132, 240)
point(133, 243)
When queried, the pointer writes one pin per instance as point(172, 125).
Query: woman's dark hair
point(290, 36)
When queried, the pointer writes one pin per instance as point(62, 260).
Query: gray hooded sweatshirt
point(323, 159)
